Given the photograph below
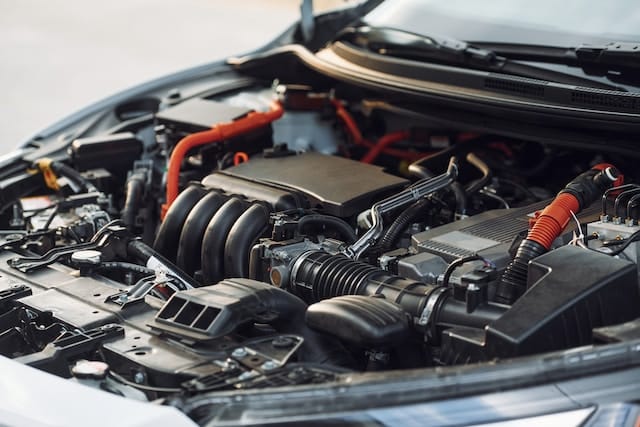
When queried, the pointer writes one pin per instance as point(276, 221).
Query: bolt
point(246, 375)
point(269, 365)
point(239, 352)
point(139, 378)
point(229, 365)
point(283, 342)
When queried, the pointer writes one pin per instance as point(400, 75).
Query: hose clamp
point(429, 307)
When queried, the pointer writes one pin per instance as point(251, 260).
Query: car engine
point(269, 234)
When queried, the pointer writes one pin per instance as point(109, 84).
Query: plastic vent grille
point(501, 229)
point(517, 86)
point(187, 313)
point(443, 248)
point(607, 99)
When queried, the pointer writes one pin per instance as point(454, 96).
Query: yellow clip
point(49, 176)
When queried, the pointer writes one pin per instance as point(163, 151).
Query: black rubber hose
point(83, 184)
point(514, 279)
point(483, 168)
point(457, 189)
point(121, 268)
point(144, 253)
point(169, 232)
point(633, 201)
point(331, 222)
point(319, 275)
point(125, 267)
point(251, 225)
point(621, 196)
point(189, 253)
point(461, 198)
point(402, 221)
point(134, 191)
point(215, 237)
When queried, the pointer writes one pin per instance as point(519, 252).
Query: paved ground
point(58, 56)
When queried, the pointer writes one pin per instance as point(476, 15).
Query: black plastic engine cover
point(573, 291)
point(337, 186)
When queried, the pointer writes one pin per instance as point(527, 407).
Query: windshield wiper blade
point(449, 51)
point(612, 56)
point(621, 54)
point(617, 61)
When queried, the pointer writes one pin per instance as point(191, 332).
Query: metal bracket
point(420, 189)
point(55, 356)
point(104, 240)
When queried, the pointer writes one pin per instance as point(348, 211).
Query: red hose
point(358, 139)
point(219, 132)
point(349, 122)
point(383, 143)
point(554, 218)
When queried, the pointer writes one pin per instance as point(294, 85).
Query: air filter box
point(573, 290)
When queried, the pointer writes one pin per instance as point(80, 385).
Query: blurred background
point(61, 55)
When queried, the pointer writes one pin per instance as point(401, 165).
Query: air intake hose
point(584, 190)
point(318, 275)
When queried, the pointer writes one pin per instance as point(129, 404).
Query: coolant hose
point(484, 170)
point(85, 186)
point(331, 222)
point(50, 168)
point(402, 221)
point(584, 190)
point(134, 191)
point(458, 190)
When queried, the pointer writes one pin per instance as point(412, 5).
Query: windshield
point(544, 22)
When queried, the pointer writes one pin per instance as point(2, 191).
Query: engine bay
point(280, 234)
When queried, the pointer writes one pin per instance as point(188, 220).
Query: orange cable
point(217, 133)
point(240, 157)
point(383, 143)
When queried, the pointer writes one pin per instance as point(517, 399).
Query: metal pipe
point(410, 194)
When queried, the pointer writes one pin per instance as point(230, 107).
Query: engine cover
point(334, 185)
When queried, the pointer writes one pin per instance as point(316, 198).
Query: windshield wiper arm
point(446, 50)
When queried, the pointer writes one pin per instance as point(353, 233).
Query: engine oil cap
point(86, 257)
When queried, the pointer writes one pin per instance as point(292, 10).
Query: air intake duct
point(318, 275)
